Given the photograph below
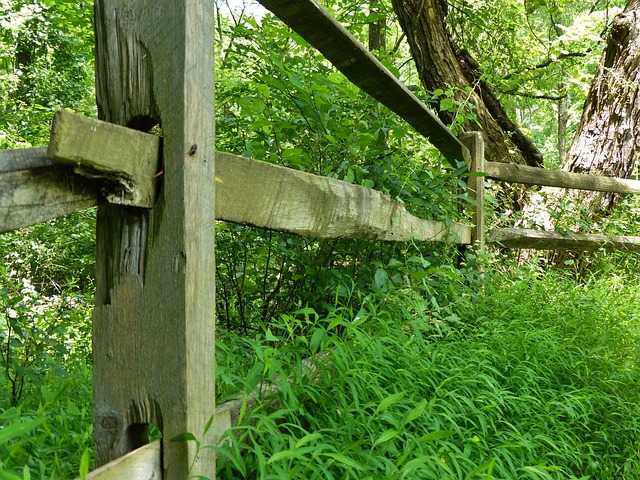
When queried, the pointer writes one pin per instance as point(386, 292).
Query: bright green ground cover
point(522, 375)
point(516, 373)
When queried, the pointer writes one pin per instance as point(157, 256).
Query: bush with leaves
point(279, 101)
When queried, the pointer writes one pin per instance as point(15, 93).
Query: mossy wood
point(153, 325)
point(320, 29)
point(543, 240)
point(33, 189)
point(141, 464)
point(475, 143)
point(508, 172)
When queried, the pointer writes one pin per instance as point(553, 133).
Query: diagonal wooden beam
point(313, 23)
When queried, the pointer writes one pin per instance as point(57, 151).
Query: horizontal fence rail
point(34, 187)
point(39, 184)
point(144, 463)
point(509, 172)
point(522, 238)
point(544, 240)
point(320, 29)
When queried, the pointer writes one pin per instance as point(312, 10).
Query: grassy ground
point(517, 375)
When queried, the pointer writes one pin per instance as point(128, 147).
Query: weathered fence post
point(153, 326)
point(475, 143)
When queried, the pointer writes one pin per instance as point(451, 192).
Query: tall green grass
point(513, 376)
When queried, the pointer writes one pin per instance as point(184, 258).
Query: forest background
point(496, 368)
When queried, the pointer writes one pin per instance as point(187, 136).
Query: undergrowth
point(512, 376)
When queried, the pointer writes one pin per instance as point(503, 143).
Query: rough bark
point(153, 324)
point(377, 29)
point(607, 139)
point(563, 120)
point(442, 65)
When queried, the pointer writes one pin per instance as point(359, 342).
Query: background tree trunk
point(607, 140)
point(441, 65)
point(563, 120)
point(377, 29)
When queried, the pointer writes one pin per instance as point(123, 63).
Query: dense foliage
point(391, 361)
point(516, 374)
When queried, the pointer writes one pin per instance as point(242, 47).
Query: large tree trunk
point(377, 29)
point(443, 66)
point(607, 139)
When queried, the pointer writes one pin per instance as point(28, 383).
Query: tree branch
point(552, 59)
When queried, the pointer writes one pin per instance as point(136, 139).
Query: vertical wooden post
point(475, 143)
point(153, 326)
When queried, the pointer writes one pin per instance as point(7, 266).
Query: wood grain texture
point(556, 178)
point(474, 142)
point(153, 325)
point(141, 464)
point(33, 190)
point(257, 193)
point(543, 240)
point(250, 192)
point(128, 157)
point(320, 29)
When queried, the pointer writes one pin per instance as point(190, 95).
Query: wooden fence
point(153, 324)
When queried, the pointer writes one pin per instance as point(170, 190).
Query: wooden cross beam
point(249, 192)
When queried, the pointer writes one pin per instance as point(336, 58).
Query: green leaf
point(380, 278)
point(185, 437)
point(284, 455)
point(84, 464)
point(209, 423)
point(485, 467)
point(335, 322)
point(410, 467)
point(316, 338)
point(447, 105)
point(72, 409)
point(308, 438)
point(296, 82)
point(416, 412)
point(18, 429)
point(386, 436)
point(270, 337)
point(344, 460)
point(6, 475)
point(437, 435)
point(350, 177)
point(390, 400)
point(263, 90)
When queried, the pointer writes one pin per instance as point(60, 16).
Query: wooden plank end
point(126, 158)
